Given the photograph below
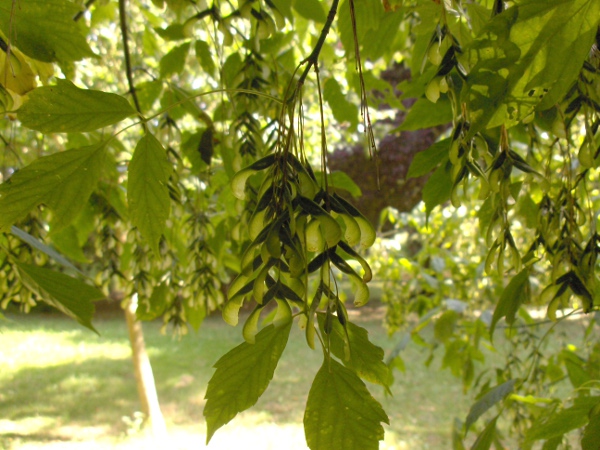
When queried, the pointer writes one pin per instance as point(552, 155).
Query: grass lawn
point(63, 387)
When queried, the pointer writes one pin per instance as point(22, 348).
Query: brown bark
point(144, 377)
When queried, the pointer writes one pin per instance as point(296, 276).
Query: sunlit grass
point(63, 387)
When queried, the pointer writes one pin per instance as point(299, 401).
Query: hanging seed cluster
point(299, 232)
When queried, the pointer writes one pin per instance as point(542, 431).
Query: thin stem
point(364, 105)
point(323, 137)
point(128, 70)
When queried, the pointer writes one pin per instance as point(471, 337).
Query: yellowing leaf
point(238, 183)
point(15, 73)
point(332, 232)
point(63, 181)
point(250, 329)
point(352, 233)
point(314, 237)
point(65, 108)
point(231, 310)
point(147, 191)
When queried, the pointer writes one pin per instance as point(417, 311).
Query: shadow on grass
point(84, 389)
point(91, 392)
point(89, 395)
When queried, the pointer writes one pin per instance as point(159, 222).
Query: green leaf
point(578, 375)
point(488, 400)
point(444, 325)
point(437, 189)
point(284, 7)
point(242, 376)
point(484, 440)
point(426, 114)
point(514, 295)
point(369, 15)
point(69, 295)
point(340, 180)
point(174, 61)
point(341, 413)
point(44, 29)
point(156, 304)
point(204, 56)
point(382, 38)
point(427, 160)
point(519, 60)
point(65, 108)
point(63, 181)
point(362, 356)
point(591, 435)
point(342, 109)
point(39, 245)
point(148, 92)
point(562, 422)
point(147, 191)
point(174, 32)
point(479, 16)
point(311, 10)
point(190, 145)
point(67, 242)
point(195, 312)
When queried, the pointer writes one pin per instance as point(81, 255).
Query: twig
point(87, 5)
point(124, 33)
point(314, 56)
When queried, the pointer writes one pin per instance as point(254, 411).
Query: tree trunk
point(143, 372)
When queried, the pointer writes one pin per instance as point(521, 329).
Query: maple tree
point(176, 150)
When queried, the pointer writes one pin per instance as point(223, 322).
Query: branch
point(313, 58)
point(124, 33)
